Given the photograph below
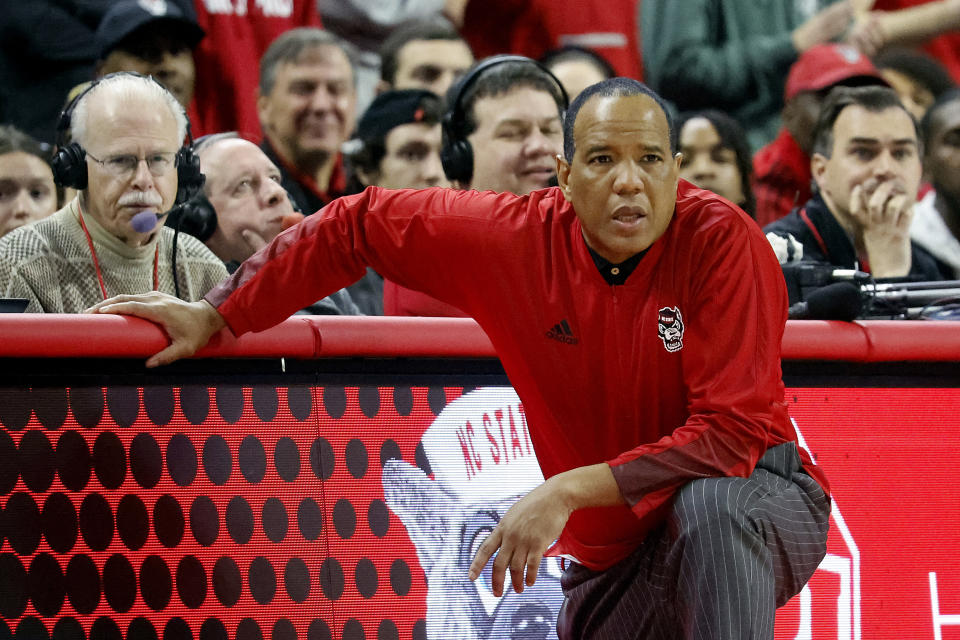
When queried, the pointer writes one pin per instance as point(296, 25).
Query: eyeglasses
point(125, 165)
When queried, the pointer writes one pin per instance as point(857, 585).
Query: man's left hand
point(523, 535)
point(532, 524)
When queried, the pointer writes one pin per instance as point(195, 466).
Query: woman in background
point(716, 156)
point(27, 190)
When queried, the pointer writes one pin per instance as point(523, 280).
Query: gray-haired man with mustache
point(129, 130)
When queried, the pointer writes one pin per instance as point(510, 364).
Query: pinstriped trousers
point(729, 553)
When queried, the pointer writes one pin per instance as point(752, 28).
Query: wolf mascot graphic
point(670, 328)
point(482, 461)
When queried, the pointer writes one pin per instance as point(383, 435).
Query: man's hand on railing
point(189, 325)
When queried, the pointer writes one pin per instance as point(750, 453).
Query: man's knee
point(711, 503)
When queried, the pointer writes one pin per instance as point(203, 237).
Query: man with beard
point(127, 163)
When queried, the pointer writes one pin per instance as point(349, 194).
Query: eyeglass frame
point(132, 169)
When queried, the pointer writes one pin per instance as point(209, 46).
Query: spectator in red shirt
point(931, 24)
point(533, 27)
point(238, 34)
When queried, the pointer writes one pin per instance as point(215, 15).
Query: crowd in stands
point(156, 144)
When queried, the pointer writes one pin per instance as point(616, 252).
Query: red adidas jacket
point(672, 376)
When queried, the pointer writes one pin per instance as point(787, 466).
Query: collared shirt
point(616, 273)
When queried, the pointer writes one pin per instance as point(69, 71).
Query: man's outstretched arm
point(189, 325)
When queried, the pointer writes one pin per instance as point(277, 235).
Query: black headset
point(197, 215)
point(70, 167)
point(69, 163)
point(456, 154)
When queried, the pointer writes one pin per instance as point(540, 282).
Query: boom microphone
point(144, 222)
point(819, 274)
point(837, 301)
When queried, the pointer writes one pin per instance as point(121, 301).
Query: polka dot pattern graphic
point(199, 512)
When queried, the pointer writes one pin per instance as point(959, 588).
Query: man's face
point(943, 156)
point(432, 65)
point(708, 164)
point(27, 191)
point(869, 149)
point(243, 186)
point(128, 126)
point(517, 139)
point(158, 52)
point(412, 159)
point(312, 107)
point(622, 181)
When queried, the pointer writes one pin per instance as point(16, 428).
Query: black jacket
point(840, 251)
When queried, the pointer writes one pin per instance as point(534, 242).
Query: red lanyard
point(816, 234)
point(96, 262)
point(864, 263)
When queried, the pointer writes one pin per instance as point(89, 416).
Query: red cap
point(825, 65)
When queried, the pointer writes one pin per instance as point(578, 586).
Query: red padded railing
point(78, 336)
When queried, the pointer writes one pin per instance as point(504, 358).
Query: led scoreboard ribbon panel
point(281, 496)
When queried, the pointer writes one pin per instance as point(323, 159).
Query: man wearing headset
point(501, 132)
point(639, 319)
point(127, 162)
point(243, 206)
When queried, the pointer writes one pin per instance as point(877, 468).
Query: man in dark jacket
point(866, 166)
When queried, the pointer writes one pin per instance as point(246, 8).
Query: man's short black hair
point(927, 125)
point(437, 28)
point(872, 98)
point(613, 88)
point(500, 80)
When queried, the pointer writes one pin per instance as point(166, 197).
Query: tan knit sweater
point(49, 263)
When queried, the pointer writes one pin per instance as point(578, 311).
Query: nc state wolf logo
point(670, 328)
point(481, 461)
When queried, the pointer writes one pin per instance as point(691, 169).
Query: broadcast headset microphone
point(837, 301)
point(145, 221)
